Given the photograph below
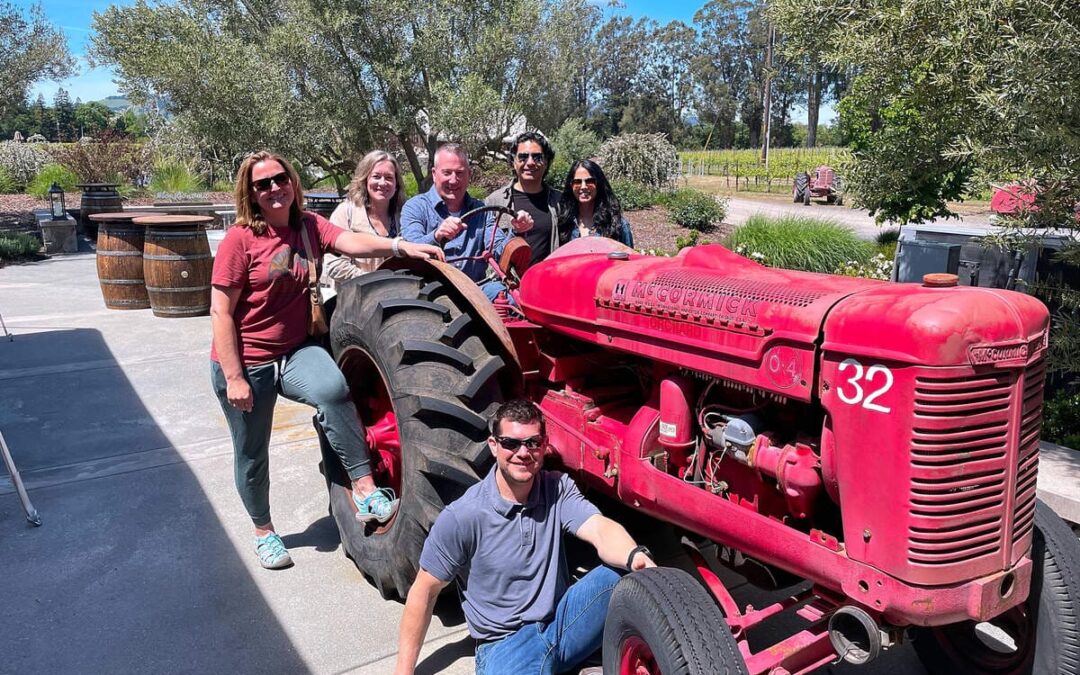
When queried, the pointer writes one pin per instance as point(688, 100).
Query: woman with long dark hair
point(259, 315)
point(589, 207)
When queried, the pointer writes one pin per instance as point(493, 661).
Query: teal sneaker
point(272, 552)
point(379, 506)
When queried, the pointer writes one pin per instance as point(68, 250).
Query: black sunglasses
point(512, 444)
point(263, 184)
point(583, 181)
point(537, 157)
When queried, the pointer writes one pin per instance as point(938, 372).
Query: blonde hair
point(248, 213)
point(357, 189)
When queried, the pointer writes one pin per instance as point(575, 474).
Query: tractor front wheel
point(661, 621)
point(425, 376)
point(1039, 637)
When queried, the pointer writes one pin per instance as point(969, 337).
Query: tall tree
point(31, 49)
point(64, 116)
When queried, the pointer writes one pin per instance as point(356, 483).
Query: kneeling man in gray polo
point(502, 542)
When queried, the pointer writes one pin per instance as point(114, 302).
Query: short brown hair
point(248, 213)
point(518, 410)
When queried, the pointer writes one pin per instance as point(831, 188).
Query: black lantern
point(56, 202)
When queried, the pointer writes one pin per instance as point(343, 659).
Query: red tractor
point(823, 183)
point(877, 440)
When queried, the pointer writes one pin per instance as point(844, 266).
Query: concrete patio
point(144, 560)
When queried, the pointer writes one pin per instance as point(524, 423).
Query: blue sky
point(75, 16)
point(92, 84)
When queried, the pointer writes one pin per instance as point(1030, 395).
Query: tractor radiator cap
point(940, 280)
point(618, 255)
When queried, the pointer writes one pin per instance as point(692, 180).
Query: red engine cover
point(709, 310)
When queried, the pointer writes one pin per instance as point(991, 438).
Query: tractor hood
point(716, 312)
point(707, 309)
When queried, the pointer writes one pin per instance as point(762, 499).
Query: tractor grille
point(960, 467)
point(778, 293)
point(1028, 457)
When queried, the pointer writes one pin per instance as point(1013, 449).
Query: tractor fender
point(434, 269)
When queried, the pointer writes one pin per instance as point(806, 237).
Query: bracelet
point(394, 247)
point(634, 551)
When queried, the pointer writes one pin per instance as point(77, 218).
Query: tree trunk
point(410, 156)
point(813, 105)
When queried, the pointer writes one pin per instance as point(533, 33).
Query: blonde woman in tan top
point(373, 205)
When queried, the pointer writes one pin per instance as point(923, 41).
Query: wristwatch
point(634, 551)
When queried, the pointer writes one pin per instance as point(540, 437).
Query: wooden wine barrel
point(322, 203)
point(97, 198)
point(177, 265)
point(120, 259)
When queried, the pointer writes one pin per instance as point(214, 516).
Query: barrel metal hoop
point(119, 254)
point(189, 289)
point(175, 258)
point(122, 282)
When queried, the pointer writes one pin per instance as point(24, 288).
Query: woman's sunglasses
point(279, 179)
point(583, 181)
point(512, 444)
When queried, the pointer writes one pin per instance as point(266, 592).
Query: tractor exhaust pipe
point(855, 635)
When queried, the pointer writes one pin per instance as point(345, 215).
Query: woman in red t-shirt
point(259, 307)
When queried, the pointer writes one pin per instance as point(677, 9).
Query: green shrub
point(22, 161)
point(878, 267)
point(478, 192)
point(799, 243)
point(223, 186)
point(887, 236)
point(573, 141)
point(175, 177)
point(15, 246)
point(1061, 419)
point(39, 186)
point(691, 238)
point(7, 183)
point(696, 210)
point(647, 159)
point(634, 196)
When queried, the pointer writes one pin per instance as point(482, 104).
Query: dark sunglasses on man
point(537, 157)
point(512, 444)
point(263, 184)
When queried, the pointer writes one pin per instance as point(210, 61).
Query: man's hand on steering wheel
point(522, 222)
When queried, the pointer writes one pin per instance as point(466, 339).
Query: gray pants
point(307, 375)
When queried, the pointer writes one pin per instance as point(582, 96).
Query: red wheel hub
point(376, 412)
point(636, 658)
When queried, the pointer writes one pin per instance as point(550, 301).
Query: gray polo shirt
point(507, 558)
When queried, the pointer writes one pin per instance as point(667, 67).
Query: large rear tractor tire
point(661, 621)
point(1040, 637)
point(802, 184)
point(425, 374)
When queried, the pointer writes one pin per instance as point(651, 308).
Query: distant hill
point(115, 103)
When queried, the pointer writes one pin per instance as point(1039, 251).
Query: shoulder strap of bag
point(313, 276)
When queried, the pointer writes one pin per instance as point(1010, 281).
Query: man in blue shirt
point(502, 541)
point(434, 217)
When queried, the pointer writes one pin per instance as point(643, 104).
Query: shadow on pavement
point(132, 570)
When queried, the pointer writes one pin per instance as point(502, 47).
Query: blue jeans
point(561, 644)
point(307, 375)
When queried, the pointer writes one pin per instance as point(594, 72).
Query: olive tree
point(326, 80)
point(31, 49)
point(950, 96)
